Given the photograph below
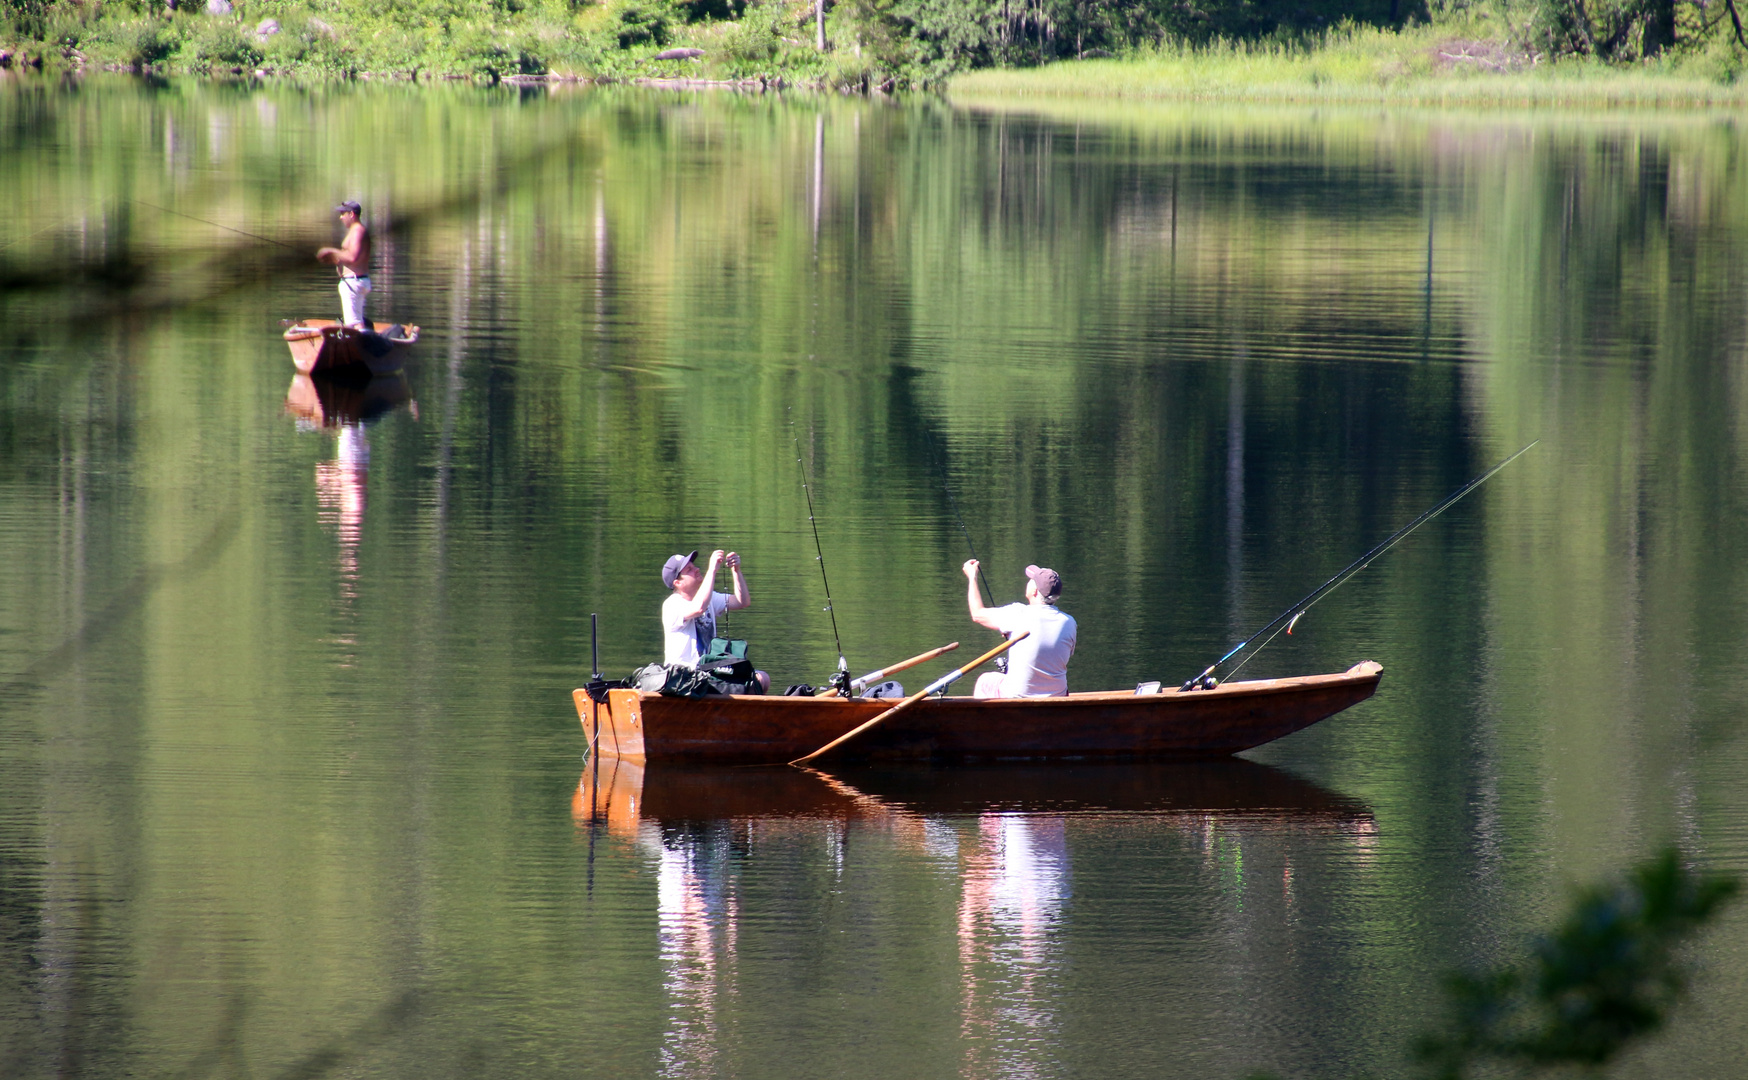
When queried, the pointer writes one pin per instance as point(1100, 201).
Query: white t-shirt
point(680, 635)
point(1037, 666)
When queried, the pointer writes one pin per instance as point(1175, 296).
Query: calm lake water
point(290, 779)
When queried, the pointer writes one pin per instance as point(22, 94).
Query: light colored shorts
point(353, 291)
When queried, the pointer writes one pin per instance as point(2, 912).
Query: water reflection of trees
point(1070, 306)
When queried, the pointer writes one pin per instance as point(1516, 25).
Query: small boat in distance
point(641, 727)
point(324, 345)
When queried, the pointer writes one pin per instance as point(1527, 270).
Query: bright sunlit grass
point(1420, 66)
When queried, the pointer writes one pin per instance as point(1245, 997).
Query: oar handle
point(939, 684)
point(902, 665)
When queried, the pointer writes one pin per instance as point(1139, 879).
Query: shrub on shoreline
point(1230, 47)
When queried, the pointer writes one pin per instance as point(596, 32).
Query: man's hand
point(731, 560)
point(970, 569)
point(716, 558)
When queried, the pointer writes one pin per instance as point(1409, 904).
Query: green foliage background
point(868, 42)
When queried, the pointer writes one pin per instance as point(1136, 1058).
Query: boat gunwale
point(1365, 670)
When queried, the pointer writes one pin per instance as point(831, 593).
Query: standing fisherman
point(1038, 665)
point(352, 261)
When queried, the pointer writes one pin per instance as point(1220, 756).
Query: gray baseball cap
point(349, 204)
point(671, 569)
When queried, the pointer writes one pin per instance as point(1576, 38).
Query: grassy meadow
point(1463, 64)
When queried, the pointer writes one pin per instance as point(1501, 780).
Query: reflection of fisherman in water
point(1015, 882)
point(697, 915)
point(340, 499)
point(346, 408)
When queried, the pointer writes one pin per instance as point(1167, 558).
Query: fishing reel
point(839, 680)
point(1200, 682)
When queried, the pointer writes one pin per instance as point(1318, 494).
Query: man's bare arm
point(741, 598)
point(701, 598)
point(980, 615)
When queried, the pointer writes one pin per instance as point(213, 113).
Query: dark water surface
point(290, 780)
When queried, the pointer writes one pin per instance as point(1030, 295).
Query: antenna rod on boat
point(841, 678)
point(1288, 618)
point(595, 647)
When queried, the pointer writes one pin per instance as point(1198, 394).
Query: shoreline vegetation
point(1497, 53)
point(1417, 66)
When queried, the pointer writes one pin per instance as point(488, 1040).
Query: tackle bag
point(726, 662)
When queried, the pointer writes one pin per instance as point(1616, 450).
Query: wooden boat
point(328, 402)
point(319, 345)
point(621, 795)
point(639, 727)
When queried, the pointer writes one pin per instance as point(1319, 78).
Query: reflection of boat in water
point(331, 402)
point(345, 406)
point(622, 794)
point(325, 345)
point(639, 727)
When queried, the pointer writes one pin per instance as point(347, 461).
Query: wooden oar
point(894, 669)
point(939, 684)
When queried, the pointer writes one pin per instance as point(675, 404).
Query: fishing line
point(216, 225)
point(843, 673)
point(1001, 662)
point(49, 228)
point(941, 471)
point(1287, 619)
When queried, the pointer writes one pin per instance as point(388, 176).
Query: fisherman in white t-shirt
point(1037, 665)
point(689, 613)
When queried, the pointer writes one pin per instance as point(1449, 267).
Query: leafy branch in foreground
point(1609, 974)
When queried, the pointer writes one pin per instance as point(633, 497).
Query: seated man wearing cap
point(352, 260)
point(689, 614)
point(1037, 665)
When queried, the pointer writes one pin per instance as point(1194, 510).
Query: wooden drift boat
point(640, 727)
point(319, 345)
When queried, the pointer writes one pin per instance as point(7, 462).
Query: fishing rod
point(216, 225)
point(1289, 618)
point(840, 679)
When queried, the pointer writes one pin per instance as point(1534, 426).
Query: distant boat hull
point(324, 345)
point(640, 727)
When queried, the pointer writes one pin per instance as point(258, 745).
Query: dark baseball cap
point(1049, 582)
point(671, 569)
point(349, 204)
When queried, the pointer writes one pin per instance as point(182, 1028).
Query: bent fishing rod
point(840, 679)
point(1289, 618)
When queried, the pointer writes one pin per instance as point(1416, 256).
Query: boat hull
point(639, 727)
point(324, 345)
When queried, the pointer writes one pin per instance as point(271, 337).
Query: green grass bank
point(1459, 66)
point(1614, 53)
